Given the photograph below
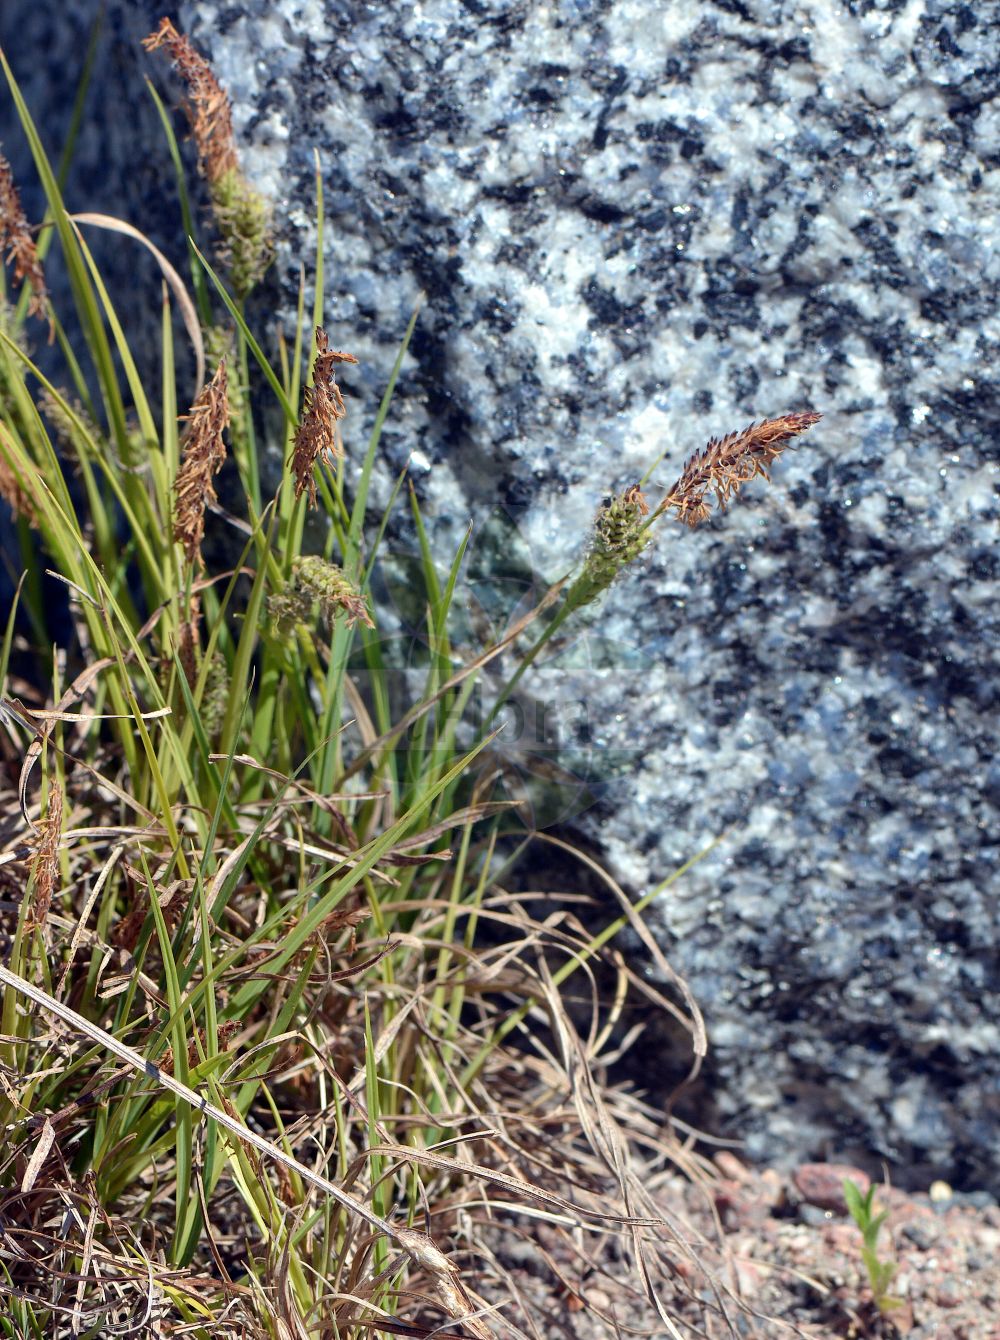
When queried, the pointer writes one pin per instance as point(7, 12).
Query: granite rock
point(638, 225)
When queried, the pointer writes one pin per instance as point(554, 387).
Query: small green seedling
point(880, 1273)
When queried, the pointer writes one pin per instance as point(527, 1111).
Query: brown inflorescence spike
point(189, 642)
point(204, 454)
point(727, 463)
point(316, 438)
point(209, 110)
point(17, 242)
point(45, 863)
point(242, 215)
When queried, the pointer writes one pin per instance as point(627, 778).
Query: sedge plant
point(254, 1056)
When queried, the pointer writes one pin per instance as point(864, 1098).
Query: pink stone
point(822, 1184)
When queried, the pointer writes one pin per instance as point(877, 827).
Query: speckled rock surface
point(639, 224)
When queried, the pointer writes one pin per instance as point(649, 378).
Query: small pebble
point(940, 1191)
point(771, 1187)
point(822, 1184)
point(813, 1215)
point(979, 1200)
point(730, 1167)
point(921, 1234)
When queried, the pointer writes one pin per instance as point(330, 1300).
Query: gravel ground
point(791, 1254)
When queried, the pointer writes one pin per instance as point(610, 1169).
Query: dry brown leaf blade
point(46, 1139)
point(177, 286)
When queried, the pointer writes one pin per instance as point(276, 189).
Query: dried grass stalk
point(16, 240)
point(204, 454)
point(316, 437)
point(727, 463)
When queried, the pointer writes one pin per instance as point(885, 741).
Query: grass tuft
point(283, 1045)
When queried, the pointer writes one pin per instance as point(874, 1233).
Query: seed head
point(727, 463)
point(204, 454)
point(619, 538)
point(16, 240)
point(189, 642)
point(45, 862)
point(313, 581)
point(242, 215)
point(208, 109)
point(243, 218)
point(317, 436)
